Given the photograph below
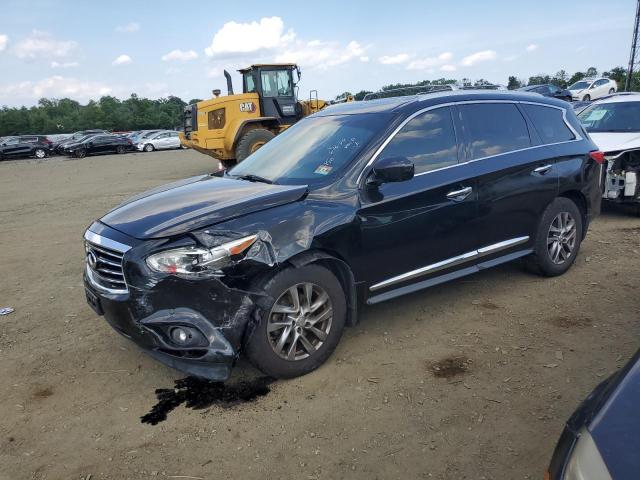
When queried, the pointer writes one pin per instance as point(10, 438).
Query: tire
point(611, 91)
point(40, 153)
point(586, 98)
point(263, 345)
point(252, 141)
point(120, 149)
point(547, 257)
point(81, 153)
point(149, 148)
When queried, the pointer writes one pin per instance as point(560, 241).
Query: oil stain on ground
point(450, 367)
point(197, 394)
point(565, 321)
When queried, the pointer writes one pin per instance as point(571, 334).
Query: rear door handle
point(459, 195)
point(543, 169)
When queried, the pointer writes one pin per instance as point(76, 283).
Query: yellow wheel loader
point(230, 128)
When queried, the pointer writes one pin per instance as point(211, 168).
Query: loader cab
point(276, 87)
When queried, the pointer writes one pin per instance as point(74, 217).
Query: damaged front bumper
point(621, 182)
point(197, 326)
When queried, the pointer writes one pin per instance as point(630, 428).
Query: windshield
point(314, 150)
point(611, 117)
point(579, 85)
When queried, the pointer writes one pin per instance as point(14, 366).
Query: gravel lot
point(527, 350)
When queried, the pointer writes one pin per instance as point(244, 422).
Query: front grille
point(104, 263)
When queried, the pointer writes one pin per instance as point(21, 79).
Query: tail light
point(598, 156)
point(47, 141)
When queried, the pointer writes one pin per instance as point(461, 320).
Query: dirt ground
point(526, 350)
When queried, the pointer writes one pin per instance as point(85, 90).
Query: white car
point(592, 88)
point(614, 125)
point(162, 140)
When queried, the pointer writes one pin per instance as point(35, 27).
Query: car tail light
point(47, 141)
point(598, 156)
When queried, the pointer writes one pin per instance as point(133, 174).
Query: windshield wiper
point(253, 178)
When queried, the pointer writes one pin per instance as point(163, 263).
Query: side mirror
point(391, 169)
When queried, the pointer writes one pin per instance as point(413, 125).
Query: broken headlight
point(194, 260)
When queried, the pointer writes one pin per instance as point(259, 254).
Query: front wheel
point(149, 148)
point(557, 239)
point(81, 153)
point(120, 149)
point(611, 91)
point(40, 153)
point(302, 325)
point(586, 98)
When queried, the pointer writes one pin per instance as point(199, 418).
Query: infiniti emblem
point(91, 259)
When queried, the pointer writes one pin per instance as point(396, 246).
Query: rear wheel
point(612, 91)
point(586, 98)
point(40, 153)
point(149, 148)
point(120, 149)
point(302, 326)
point(558, 238)
point(81, 153)
point(252, 141)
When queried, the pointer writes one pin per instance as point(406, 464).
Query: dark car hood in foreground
point(195, 203)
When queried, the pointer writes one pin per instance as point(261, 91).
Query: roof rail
point(396, 92)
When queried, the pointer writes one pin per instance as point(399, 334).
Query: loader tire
point(252, 141)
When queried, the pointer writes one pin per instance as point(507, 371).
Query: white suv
point(591, 88)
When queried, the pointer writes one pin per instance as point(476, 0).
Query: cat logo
point(248, 107)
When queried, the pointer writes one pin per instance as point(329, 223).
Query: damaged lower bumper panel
point(621, 181)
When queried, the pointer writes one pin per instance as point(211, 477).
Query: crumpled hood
point(194, 203)
point(616, 141)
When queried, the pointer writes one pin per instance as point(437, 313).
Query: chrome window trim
point(450, 262)
point(374, 157)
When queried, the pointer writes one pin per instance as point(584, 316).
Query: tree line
point(109, 113)
point(135, 113)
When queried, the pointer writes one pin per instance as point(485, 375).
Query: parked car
point(549, 90)
point(24, 146)
point(592, 88)
point(358, 203)
point(162, 140)
point(614, 125)
point(601, 440)
point(77, 137)
point(98, 144)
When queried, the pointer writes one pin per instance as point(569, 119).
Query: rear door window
point(493, 128)
point(550, 124)
point(428, 140)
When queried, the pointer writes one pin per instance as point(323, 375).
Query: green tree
point(513, 83)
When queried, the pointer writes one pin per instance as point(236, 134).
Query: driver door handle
point(543, 169)
point(459, 195)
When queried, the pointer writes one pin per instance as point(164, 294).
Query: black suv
point(38, 146)
point(359, 203)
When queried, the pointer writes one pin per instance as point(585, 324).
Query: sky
point(84, 50)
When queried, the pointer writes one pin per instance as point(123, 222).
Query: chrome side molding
point(450, 262)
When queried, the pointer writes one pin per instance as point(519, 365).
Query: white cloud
point(179, 55)
point(430, 62)
point(3, 42)
point(394, 59)
point(43, 44)
point(448, 68)
point(478, 57)
point(317, 54)
point(55, 64)
point(128, 28)
point(52, 87)
point(214, 73)
point(531, 48)
point(122, 60)
point(235, 37)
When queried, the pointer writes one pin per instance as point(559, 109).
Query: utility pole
point(634, 57)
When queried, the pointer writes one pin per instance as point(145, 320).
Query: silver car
point(162, 140)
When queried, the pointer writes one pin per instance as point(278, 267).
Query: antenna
point(634, 56)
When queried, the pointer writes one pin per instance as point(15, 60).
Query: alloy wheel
point(148, 147)
point(299, 321)
point(561, 239)
point(40, 153)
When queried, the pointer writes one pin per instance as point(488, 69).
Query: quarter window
point(428, 140)
point(549, 123)
point(494, 128)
